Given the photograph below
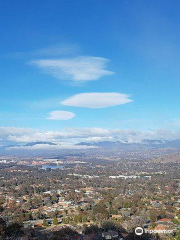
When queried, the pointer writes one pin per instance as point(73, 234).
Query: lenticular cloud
point(97, 100)
point(60, 115)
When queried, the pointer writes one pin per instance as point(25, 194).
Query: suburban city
point(89, 120)
point(91, 197)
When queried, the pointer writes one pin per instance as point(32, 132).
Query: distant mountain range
point(108, 145)
point(144, 143)
point(37, 143)
point(9, 148)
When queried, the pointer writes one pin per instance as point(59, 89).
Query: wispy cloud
point(97, 100)
point(82, 68)
point(57, 50)
point(60, 115)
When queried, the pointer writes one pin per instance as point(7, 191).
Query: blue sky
point(110, 64)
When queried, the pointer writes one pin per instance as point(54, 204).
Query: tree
point(102, 210)
point(84, 219)
point(45, 224)
point(55, 221)
point(65, 234)
point(2, 227)
point(153, 215)
point(91, 229)
point(66, 220)
point(110, 225)
point(12, 231)
point(175, 221)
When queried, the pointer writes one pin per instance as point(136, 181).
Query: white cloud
point(8, 131)
point(48, 147)
point(83, 68)
point(61, 115)
point(72, 136)
point(97, 100)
